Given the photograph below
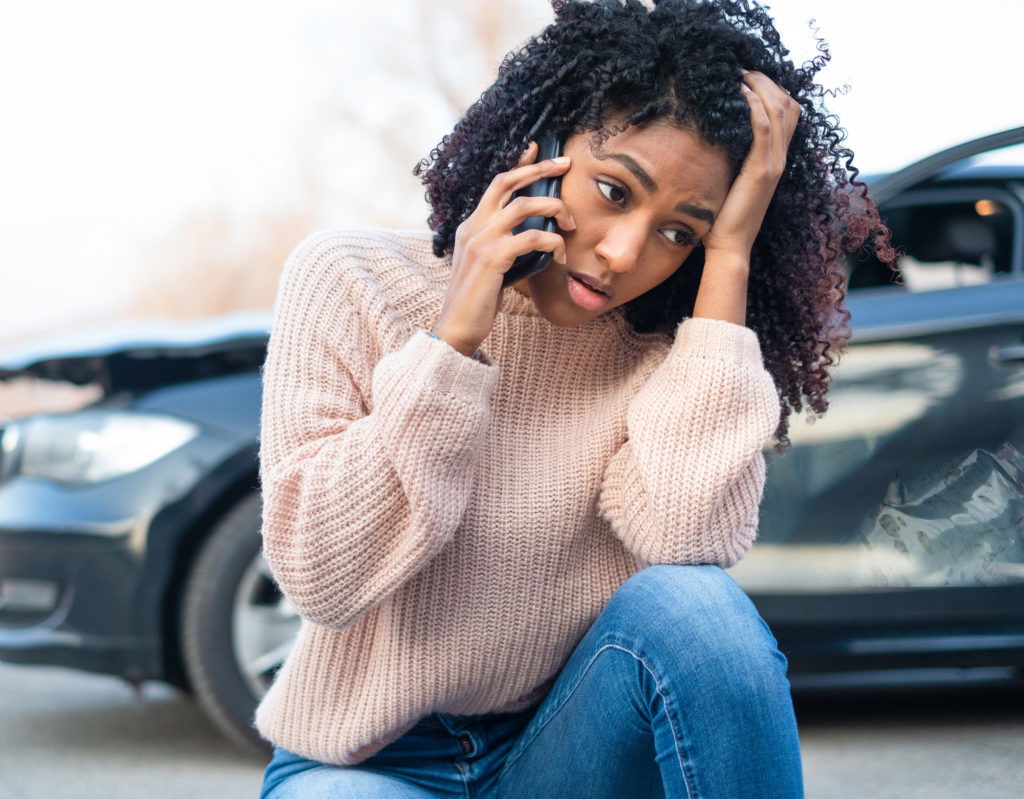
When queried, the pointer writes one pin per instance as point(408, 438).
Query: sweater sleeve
point(686, 485)
point(357, 500)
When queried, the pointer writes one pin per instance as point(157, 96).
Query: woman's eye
point(618, 195)
point(607, 189)
point(681, 236)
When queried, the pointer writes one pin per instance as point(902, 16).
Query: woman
point(505, 515)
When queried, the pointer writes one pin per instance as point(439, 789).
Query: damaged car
point(891, 534)
point(130, 528)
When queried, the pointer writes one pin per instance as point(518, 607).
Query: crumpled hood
point(135, 355)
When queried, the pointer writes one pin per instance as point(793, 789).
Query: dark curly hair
point(680, 60)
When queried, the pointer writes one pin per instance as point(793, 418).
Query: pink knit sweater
point(449, 528)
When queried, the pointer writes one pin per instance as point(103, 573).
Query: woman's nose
point(620, 246)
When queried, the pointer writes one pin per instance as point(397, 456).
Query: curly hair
point(680, 60)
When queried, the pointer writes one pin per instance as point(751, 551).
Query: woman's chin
point(563, 312)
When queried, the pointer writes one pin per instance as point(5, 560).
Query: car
point(130, 528)
point(892, 533)
point(891, 536)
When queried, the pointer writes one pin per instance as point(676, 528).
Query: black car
point(891, 538)
point(129, 529)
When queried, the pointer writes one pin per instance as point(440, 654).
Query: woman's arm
point(357, 500)
point(686, 484)
point(773, 118)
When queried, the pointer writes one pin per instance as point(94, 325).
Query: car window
point(964, 227)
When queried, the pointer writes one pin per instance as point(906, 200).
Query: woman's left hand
point(773, 118)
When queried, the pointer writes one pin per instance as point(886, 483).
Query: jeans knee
point(671, 588)
point(691, 606)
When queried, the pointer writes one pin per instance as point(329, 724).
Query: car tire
point(229, 601)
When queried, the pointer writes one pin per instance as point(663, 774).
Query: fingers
point(521, 208)
point(773, 119)
point(760, 124)
point(530, 240)
point(488, 234)
point(529, 153)
point(777, 102)
point(484, 248)
point(505, 184)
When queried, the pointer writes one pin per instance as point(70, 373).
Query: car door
point(897, 519)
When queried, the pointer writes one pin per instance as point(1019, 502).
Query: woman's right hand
point(486, 247)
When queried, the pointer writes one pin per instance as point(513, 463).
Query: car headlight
point(90, 445)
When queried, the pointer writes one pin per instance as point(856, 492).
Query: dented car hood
point(139, 355)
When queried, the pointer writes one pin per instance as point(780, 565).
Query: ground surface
point(68, 735)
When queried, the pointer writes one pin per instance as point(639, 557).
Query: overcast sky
point(120, 117)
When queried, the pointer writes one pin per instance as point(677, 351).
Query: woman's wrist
point(737, 260)
point(474, 353)
point(722, 293)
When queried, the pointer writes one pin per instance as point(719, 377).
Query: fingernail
point(562, 159)
point(572, 221)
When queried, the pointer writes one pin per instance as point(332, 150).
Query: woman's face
point(640, 207)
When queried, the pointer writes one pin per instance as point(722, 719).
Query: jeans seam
point(611, 645)
point(671, 722)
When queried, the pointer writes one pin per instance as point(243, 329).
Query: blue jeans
point(678, 689)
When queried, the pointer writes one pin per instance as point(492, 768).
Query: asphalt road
point(68, 735)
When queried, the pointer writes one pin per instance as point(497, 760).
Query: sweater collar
point(512, 302)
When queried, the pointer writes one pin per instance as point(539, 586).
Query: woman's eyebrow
point(696, 211)
point(646, 180)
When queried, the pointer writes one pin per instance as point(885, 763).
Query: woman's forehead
point(663, 155)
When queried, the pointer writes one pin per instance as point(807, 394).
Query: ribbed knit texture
point(449, 528)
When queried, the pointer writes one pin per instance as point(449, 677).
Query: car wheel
point(236, 626)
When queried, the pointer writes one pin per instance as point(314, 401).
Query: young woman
point(505, 515)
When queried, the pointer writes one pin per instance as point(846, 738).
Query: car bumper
point(85, 569)
point(45, 613)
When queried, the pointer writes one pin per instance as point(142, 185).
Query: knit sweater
point(449, 527)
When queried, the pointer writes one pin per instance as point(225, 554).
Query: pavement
point(70, 735)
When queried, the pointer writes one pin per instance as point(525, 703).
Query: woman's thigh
point(430, 760)
point(678, 688)
point(290, 776)
point(416, 766)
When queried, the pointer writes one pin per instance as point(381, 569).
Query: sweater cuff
point(704, 337)
point(449, 371)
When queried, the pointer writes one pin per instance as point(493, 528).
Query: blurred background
point(161, 161)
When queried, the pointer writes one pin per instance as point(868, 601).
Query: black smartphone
point(549, 146)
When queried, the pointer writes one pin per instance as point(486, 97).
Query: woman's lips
point(584, 296)
point(592, 282)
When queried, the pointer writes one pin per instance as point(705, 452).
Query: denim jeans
point(678, 689)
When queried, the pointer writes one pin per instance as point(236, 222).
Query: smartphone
point(529, 264)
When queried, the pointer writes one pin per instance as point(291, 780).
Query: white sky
point(121, 117)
